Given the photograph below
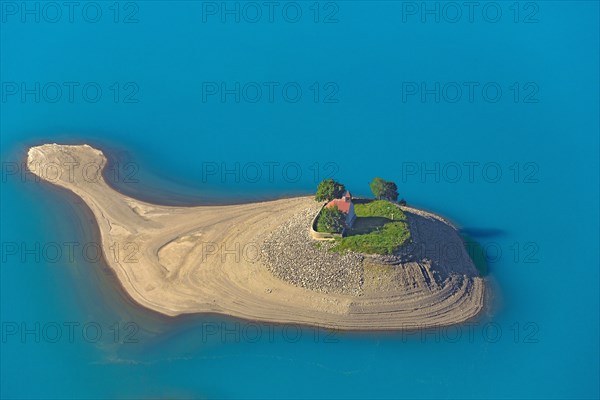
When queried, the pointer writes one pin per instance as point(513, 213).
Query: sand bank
point(207, 259)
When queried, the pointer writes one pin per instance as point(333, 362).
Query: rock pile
point(293, 256)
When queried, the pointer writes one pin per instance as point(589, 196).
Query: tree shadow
point(477, 254)
point(364, 225)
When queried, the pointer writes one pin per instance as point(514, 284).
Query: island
point(369, 264)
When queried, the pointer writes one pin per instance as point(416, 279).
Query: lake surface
point(487, 116)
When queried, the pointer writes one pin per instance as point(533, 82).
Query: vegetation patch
point(380, 228)
point(381, 241)
point(370, 226)
point(379, 208)
point(331, 220)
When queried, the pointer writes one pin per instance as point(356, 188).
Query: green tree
point(331, 220)
point(383, 189)
point(378, 187)
point(391, 191)
point(328, 190)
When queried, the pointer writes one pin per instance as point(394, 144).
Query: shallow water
point(537, 221)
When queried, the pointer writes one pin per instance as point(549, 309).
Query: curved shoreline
point(191, 260)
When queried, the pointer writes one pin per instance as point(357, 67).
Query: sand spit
point(211, 259)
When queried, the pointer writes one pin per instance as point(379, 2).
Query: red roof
point(342, 204)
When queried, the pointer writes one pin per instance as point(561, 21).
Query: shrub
point(328, 190)
point(383, 189)
point(331, 220)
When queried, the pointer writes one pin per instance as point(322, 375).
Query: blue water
point(538, 220)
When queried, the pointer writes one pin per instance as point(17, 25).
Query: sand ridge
point(180, 260)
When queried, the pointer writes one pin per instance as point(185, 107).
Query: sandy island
point(210, 259)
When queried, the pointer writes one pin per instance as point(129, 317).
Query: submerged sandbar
point(210, 259)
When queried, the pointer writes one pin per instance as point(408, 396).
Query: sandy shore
point(178, 260)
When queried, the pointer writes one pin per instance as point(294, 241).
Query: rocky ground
point(293, 256)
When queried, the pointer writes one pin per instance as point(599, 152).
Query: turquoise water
point(168, 133)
